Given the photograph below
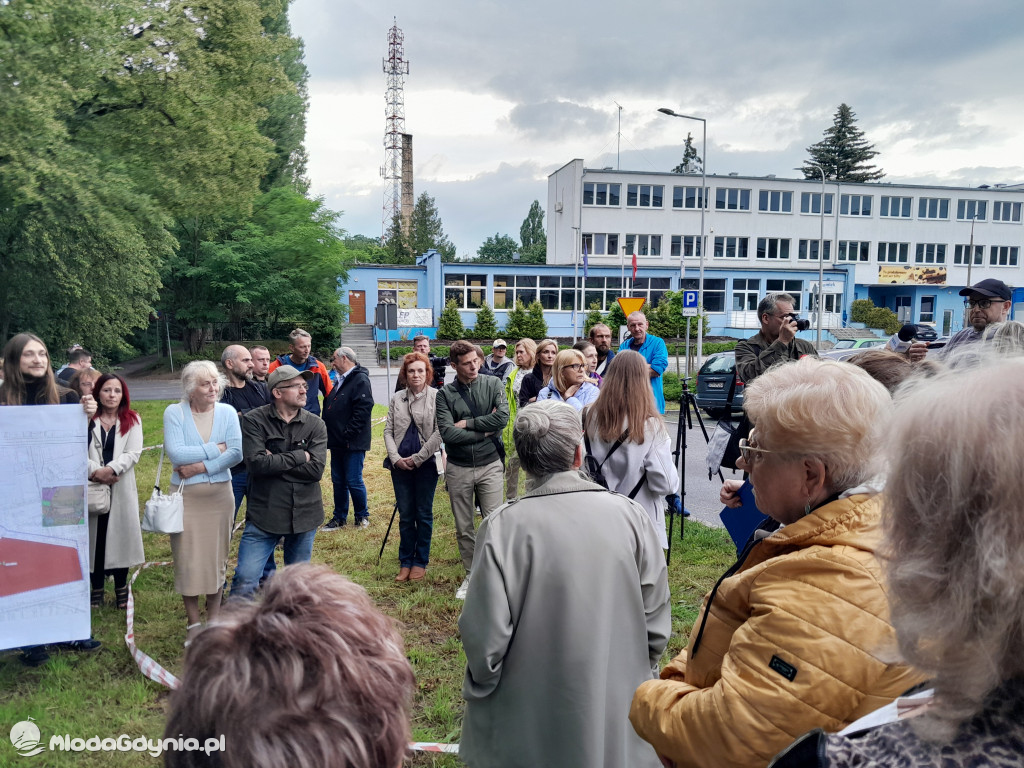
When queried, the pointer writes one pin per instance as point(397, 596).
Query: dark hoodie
point(347, 410)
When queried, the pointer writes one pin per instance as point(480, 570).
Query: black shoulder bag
point(476, 415)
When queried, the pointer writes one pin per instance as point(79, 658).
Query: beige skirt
point(201, 549)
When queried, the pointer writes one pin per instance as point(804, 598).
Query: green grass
point(104, 694)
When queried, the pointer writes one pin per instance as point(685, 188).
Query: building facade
point(906, 247)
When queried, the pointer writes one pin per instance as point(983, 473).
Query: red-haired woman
point(412, 439)
point(115, 444)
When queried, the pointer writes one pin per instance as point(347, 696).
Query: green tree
point(396, 248)
point(536, 324)
point(364, 248)
point(497, 250)
point(486, 325)
point(594, 317)
point(667, 321)
point(426, 231)
point(532, 236)
point(285, 123)
point(449, 325)
point(80, 241)
point(691, 163)
point(883, 318)
point(294, 246)
point(615, 318)
point(517, 326)
point(843, 152)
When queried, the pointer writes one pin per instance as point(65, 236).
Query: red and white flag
point(634, 266)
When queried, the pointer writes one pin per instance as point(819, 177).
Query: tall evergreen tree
point(533, 237)
point(692, 163)
point(425, 230)
point(396, 248)
point(843, 152)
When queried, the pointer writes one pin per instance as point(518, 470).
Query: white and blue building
point(910, 248)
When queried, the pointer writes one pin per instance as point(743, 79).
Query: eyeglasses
point(500, 346)
point(981, 303)
point(302, 386)
point(749, 449)
point(576, 366)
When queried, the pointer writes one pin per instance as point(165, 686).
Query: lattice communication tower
point(395, 70)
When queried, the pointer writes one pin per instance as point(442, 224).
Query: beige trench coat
point(124, 533)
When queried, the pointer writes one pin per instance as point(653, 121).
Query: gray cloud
point(551, 119)
point(768, 77)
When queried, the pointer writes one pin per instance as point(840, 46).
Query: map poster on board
point(44, 525)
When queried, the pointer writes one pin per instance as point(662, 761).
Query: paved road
point(170, 389)
point(701, 494)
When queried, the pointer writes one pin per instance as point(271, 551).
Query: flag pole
point(575, 282)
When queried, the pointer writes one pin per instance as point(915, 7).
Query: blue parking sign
point(690, 299)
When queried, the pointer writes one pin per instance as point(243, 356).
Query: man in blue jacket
point(653, 350)
point(347, 410)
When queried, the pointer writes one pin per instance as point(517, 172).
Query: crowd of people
point(889, 566)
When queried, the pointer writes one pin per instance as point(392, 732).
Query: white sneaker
point(460, 593)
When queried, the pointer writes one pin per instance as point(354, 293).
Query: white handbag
point(164, 513)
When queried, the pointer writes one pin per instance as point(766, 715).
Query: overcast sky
point(499, 95)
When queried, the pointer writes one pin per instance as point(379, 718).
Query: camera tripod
point(686, 402)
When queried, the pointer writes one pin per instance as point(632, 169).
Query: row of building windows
point(747, 292)
point(554, 292)
point(780, 201)
point(777, 248)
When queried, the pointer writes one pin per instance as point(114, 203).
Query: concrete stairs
point(360, 339)
point(853, 333)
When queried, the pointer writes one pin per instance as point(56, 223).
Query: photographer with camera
point(285, 452)
point(438, 365)
point(777, 342)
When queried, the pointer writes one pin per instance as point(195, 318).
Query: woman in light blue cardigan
point(203, 440)
point(569, 382)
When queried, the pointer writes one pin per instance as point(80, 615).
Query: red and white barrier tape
point(427, 746)
point(150, 668)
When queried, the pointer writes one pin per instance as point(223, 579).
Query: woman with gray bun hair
point(576, 575)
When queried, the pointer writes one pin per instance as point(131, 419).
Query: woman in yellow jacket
point(796, 635)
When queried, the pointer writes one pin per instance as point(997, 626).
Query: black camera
point(440, 366)
point(801, 324)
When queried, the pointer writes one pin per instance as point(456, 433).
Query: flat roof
point(1016, 187)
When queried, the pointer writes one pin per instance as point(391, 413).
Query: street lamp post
point(702, 244)
point(821, 252)
point(970, 262)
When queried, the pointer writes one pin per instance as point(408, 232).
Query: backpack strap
point(638, 486)
point(615, 445)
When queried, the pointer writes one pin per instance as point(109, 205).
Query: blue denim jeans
point(414, 494)
point(347, 478)
point(239, 483)
point(256, 546)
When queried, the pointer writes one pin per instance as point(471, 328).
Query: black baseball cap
point(990, 288)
